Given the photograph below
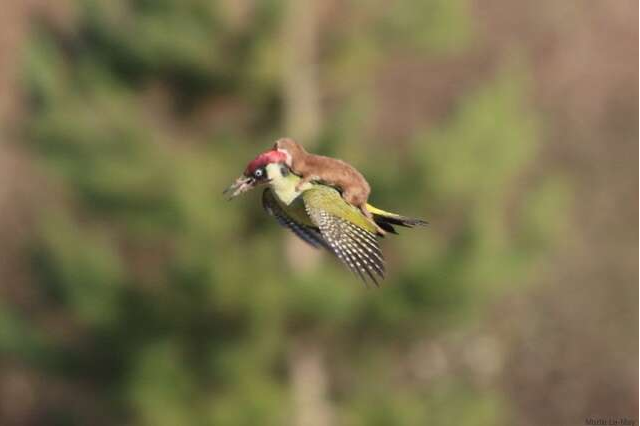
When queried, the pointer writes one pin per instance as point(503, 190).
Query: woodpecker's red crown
point(268, 157)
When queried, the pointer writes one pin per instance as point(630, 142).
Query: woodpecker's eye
point(284, 170)
point(258, 173)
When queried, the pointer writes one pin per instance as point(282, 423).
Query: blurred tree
point(303, 121)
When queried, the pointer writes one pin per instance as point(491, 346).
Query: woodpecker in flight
point(319, 215)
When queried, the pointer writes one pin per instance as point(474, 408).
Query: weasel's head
point(290, 149)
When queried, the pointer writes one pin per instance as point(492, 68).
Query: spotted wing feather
point(357, 248)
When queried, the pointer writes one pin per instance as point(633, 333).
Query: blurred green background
point(131, 292)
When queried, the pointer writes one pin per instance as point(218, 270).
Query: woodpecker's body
point(320, 216)
point(310, 167)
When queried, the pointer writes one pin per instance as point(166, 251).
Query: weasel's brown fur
point(354, 187)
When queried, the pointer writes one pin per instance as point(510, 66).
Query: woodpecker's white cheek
point(273, 171)
point(288, 159)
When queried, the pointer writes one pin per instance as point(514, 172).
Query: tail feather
point(386, 220)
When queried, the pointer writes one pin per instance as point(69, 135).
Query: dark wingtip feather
point(386, 222)
point(386, 227)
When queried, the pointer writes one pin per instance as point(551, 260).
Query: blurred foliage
point(183, 303)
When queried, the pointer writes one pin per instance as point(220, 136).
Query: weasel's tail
point(386, 220)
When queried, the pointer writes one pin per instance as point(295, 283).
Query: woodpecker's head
point(255, 173)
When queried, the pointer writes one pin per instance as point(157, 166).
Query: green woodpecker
point(319, 215)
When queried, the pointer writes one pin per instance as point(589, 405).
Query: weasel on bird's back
point(311, 167)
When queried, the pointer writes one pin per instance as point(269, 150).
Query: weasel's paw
point(299, 186)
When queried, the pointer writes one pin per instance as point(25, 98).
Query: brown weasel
point(354, 187)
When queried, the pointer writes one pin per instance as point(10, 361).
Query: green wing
point(328, 199)
point(349, 234)
point(308, 234)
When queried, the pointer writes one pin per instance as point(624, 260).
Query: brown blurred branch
point(309, 384)
point(300, 71)
point(301, 98)
point(302, 121)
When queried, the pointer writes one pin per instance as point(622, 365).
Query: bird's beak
point(241, 185)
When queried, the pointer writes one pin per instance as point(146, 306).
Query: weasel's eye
point(258, 173)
